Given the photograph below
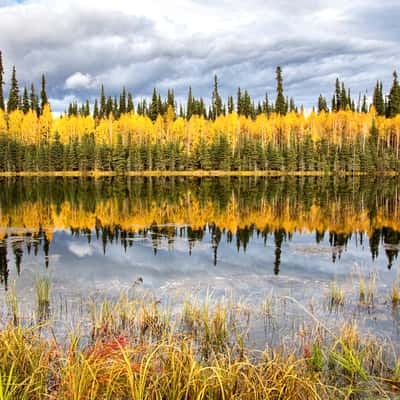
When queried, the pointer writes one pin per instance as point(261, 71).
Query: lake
point(251, 236)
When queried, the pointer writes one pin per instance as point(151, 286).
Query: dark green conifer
point(13, 95)
point(43, 94)
point(25, 101)
point(130, 106)
point(394, 98)
point(34, 101)
point(189, 104)
point(280, 104)
point(216, 100)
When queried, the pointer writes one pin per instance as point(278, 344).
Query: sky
point(177, 43)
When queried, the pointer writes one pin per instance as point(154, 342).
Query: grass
point(336, 296)
point(42, 287)
point(367, 289)
point(134, 347)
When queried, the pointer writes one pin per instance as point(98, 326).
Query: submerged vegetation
point(118, 137)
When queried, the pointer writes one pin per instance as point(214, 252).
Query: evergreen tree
point(378, 100)
point(189, 104)
point(239, 102)
point(25, 101)
point(338, 96)
point(122, 102)
point(322, 105)
point(2, 106)
point(103, 106)
point(34, 101)
point(280, 104)
point(43, 94)
point(231, 106)
point(394, 98)
point(154, 111)
point(13, 95)
point(343, 98)
point(216, 100)
point(96, 110)
point(364, 107)
point(130, 107)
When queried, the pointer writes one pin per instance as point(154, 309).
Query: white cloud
point(178, 43)
point(80, 81)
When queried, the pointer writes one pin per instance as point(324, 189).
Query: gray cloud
point(80, 45)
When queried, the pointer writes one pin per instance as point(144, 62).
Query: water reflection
point(237, 212)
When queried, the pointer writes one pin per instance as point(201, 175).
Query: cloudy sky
point(177, 43)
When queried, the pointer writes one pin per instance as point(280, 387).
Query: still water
point(289, 235)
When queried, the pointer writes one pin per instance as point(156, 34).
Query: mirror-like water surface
point(290, 236)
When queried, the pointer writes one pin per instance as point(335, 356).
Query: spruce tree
point(338, 105)
point(122, 102)
point(1, 83)
point(189, 104)
point(25, 101)
point(103, 106)
point(153, 111)
point(216, 100)
point(239, 102)
point(394, 98)
point(280, 104)
point(322, 105)
point(34, 101)
point(43, 94)
point(129, 106)
point(96, 109)
point(13, 95)
point(378, 100)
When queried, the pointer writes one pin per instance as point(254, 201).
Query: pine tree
point(280, 104)
point(154, 111)
point(364, 107)
point(25, 101)
point(239, 102)
point(216, 100)
point(343, 98)
point(103, 111)
point(171, 99)
point(34, 101)
point(189, 104)
point(43, 94)
point(378, 100)
point(338, 96)
point(394, 98)
point(122, 102)
point(2, 106)
point(96, 109)
point(13, 95)
point(130, 107)
point(322, 105)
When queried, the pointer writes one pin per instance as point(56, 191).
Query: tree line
point(117, 135)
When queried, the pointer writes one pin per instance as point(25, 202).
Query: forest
point(115, 135)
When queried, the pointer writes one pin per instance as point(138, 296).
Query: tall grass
point(42, 288)
point(136, 348)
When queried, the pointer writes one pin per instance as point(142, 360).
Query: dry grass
point(136, 348)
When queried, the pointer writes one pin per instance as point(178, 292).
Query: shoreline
point(196, 173)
